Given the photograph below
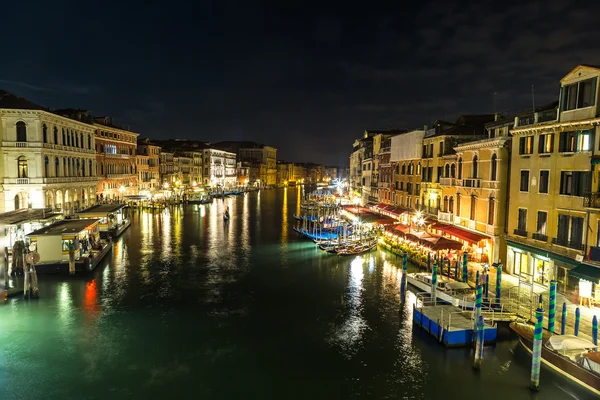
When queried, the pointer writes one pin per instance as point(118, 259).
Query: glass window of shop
point(521, 265)
point(567, 284)
point(542, 271)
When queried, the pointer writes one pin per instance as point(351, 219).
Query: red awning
point(469, 236)
point(382, 206)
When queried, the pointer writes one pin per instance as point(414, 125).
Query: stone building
point(47, 159)
point(149, 177)
point(116, 160)
point(554, 213)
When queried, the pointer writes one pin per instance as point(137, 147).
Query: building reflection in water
point(284, 219)
point(349, 335)
point(166, 250)
point(65, 308)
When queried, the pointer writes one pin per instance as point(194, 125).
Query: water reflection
point(349, 334)
point(284, 224)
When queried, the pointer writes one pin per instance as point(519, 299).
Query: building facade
point(116, 160)
point(219, 168)
point(406, 151)
point(553, 216)
point(47, 160)
point(151, 182)
point(474, 185)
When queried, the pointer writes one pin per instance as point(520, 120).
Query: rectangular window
point(431, 150)
point(579, 95)
point(473, 207)
point(417, 188)
point(576, 237)
point(439, 174)
point(441, 153)
point(524, 187)
point(585, 141)
point(526, 145)
point(522, 222)
point(491, 211)
point(402, 186)
point(562, 233)
point(542, 220)
point(544, 180)
point(567, 142)
point(546, 143)
point(424, 151)
point(575, 183)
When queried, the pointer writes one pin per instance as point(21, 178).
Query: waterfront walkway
point(522, 298)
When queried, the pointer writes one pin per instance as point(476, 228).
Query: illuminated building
point(553, 221)
point(47, 158)
point(148, 161)
point(116, 160)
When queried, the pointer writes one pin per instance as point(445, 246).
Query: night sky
point(307, 79)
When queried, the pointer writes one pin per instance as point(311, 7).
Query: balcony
point(539, 236)
point(122, 176)
point(430, 210)
point(385, 150)
point(472, 183)
point(591, 200)
point(491, 184)
point(384, 185)
point(115, 155)
point(446, 217)
point(594, 254)
point(520, 232)
point(66, 179)
point(447, 181)
point(575, 245)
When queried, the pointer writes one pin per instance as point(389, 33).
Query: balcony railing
point(576, 245)
point(592, 200)
point(520, 232)
point(539, 236)
point(431, 210)
point(22, 181)
point(446, 217)
point(447, 181)
point(472, 182)
point(385, 150)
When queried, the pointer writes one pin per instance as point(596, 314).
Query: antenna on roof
point(533, 97)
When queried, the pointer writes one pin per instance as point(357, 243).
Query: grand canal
point(187, 306)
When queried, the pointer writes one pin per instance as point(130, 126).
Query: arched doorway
point(59, 200)
point(49, 199)
point(17, 202)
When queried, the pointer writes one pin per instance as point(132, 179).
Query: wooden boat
point(357, 249)
point(568, 355)
point(449, 291)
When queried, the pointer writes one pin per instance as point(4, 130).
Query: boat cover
point(591, 360)
point(457, 285)
point(569, 342)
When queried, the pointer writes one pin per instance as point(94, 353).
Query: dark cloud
point(307, 79)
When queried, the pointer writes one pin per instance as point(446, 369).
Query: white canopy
point(457, 285)
point(569, 342)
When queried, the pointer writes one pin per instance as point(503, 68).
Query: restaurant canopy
point(460, 233)
point(440, 243)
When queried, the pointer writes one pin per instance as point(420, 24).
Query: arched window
point(21, 131)
point(494, 168)
point(451, 205)
point(22, 167)
point(457, 204)
point(475, 168)
point(403, 169)
point(81, 143)
point(438, 202)
point(76, 140)
point(446, 203)
point(101, 148)
point(17, 202)
point(64, 137)
point(56, 166)
point(89, 142)
point(459, 169)
point(411, 168)
point(102, 169)
point(90, 168)
point(78, 165)
point(447, 171)
point(45, 133)
point(419, 169)
point(491, 210)
point(473, 206)
point(453, 171)
point(55, 130)
point(46, 167)
point(65, 171)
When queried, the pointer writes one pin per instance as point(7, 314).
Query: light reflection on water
point(190, 304)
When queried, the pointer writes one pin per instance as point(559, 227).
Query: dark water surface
point(189, 306)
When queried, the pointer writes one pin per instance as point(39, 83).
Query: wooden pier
point(450, 325)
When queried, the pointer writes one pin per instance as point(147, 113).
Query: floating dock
point(450, 325)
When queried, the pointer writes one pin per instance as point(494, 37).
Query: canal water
point(190, 306)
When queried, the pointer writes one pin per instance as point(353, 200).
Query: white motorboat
point(450, 291)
